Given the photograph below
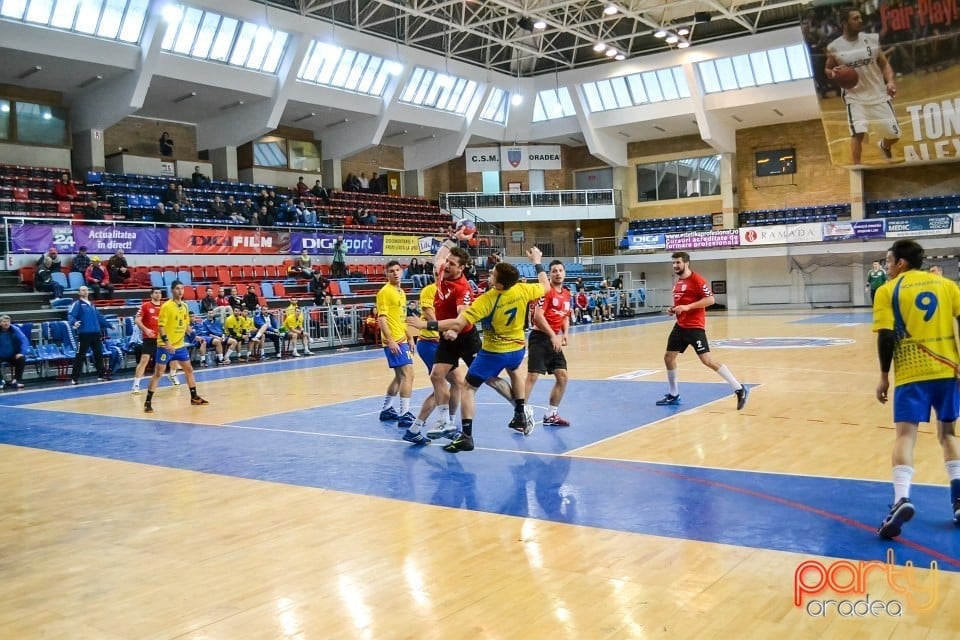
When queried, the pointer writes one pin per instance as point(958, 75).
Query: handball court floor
point(285, 509)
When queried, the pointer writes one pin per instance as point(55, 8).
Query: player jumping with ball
point(870, 100)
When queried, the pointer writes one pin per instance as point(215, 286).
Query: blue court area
point(853, 317)
point(345, 448)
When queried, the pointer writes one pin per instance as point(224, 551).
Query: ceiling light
point(610, 10)
point(89, 81)
point(683, 44)
point(237, 103)
point(443, 80)
point(620, 56)
point(516, 99)
point(659, 33)
point(394, 68)
point(186, 96)
point(599, 47)
point(611, 52)
point(673, 39)
point(171, 13)
point(337, 123)
point(305, 117)
point(29, 72)
point(682, 31)
point(540, 24)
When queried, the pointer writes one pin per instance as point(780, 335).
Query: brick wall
point(911, 182)
point(372, 160)
point(142, 135)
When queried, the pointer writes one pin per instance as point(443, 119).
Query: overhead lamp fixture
point(29, 72)
point(540, 24)
point(337, 124)
point(425, 138)
point(394, 135)
point(678, 36)
point(620, 57)
point(89, 81)
point(525, 23)
point(673, 38)
point(312, 114)
point(610, 10)
point(660, 33)
point(517, 98)
point(237, 103)
point(599, 47)
point(186, 96)
point(682, 31)
point(683, 44)
point(611, 52)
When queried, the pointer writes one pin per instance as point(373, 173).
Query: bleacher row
point(26, 191)
point(926, 205)
point(796, 215)
point(672, 225)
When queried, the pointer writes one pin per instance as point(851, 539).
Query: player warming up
point(691, 297)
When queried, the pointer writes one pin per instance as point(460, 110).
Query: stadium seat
point(267, 288)
point(185, 276)
point(156, 280)
point(75, 278)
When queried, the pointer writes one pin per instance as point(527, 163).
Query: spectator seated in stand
point(301, 189)
point(118, 268)
point(365, 217)
point(321, 192)
point(301, 267)
point(98, 279)
point(217, 209)
point(209, 303)
point(47, 265)
point(250, 300)
point(199, 180)
point(319, 287)
point(92, 210)
point(64, 190)
point(81, 261)
point(371, 328)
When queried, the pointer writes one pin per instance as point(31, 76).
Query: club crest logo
point(514, 157)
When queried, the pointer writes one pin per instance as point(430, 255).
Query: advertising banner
point(854, 229)
point(781, 234)
point(703, 240)
point(231, 241)
point(136, 240)
point(31, 238)
point(358, 244)
point(887, 80)
point(647, 240)
point(409, 245)
point(920, 226)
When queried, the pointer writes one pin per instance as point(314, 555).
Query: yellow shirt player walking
point(172, 326)
point(391, 312)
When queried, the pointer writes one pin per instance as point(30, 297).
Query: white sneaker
point(136, 389)
point(529, 423)
point(173, 379)
point(442, 429)
point(279, 356)
point(308, 352)
point(295, 354)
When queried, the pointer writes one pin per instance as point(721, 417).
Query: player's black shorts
point(465, 348)
point(541, 356)
point(681, 338)
point(149, 346)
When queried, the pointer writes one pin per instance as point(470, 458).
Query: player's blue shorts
point(489, 365)
point(401, 359)
point(427, 349)
point(913, 401)
point(165, 357)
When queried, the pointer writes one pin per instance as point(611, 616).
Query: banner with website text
point(886, 75)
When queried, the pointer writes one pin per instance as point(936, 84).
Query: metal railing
point(567, 198)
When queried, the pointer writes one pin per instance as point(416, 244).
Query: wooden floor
point(122, 543)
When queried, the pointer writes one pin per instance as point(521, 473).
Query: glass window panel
point(636, 88)
point(132, 27)
point(170, 35)
point(331, 55)
point(539, 114)
point(270, 151)
point(224, 40)
point(565, 103)
point(241, 49)
point(620, 90)
point(64, 14)
point(304, 156)
point(778, 65)
point(593, 97)
point(88, 17)
point(311, 63)
point(728, 79)
point(490, 107)
point(41, 124)
point(275, 53)
point(708, 75)
point(13, 8)
point(110, 21)
point(343, 67)
point(467, 97)
point(39, 11)
point(744, 71)
point(449, 95)
point(381, 82)
point(429, 78)
point(799, 62)
point(440, 83)
point(667, 84)
point(356, 71)
point(652, 86)
point(412, 85)
point(4, 119)
point(369, 75)
point(680, 80)
point(606, 94)
point(551, 105)
point(208, 30)
point(261, 42)
point(761, 67)
point(189, 24)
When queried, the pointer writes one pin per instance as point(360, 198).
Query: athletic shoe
point(104, 379)
point(406, 420)
point(742, 394)
point(887, 153)
point(74, 382)
point(668, 400)
point(198, 401)
point(173, 379)
point(2, 383)
point(136, 389)
point(295, 354)
point(307, 352)
point(443, 429)
point(16, 384)
point(279, 356)
point(203, 365)
point(148, 408)
point(389, 414)
point(460, 442)
point(899, 514)
point(528, 422)
point(956, 511)
point(555, 421)
point(518, 422)
point(415, 438)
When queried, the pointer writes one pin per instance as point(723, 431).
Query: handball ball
point(466, 227)
point(846, 77)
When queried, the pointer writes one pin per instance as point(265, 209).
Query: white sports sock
point(416, 426)
point(672, 387)
point(552, 410)
point(902, 477)
point(388, 401)
point(726, 375)
point(404, 405)
point(953, 469)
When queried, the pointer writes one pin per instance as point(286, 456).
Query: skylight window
point(427, 88)
point(209, 36)
point(329, 65)
point(636, 89)
point(495, 110)
point(759, 68)
point(552, 104)
point(109, 19)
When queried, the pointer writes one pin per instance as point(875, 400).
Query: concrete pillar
point(332, 176)
point(728, 190)
point(88, 153)
point(224, 160)
point(413, 184)
point(858, 209)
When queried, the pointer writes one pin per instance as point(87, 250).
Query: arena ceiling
point(503, 35)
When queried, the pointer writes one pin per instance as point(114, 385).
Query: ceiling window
point(329, 65)
point(495, 110)
point(110, 19)
point(441, 91)
point(759, 68)
point(636, 89)
point(552, 104)
point(209, 36)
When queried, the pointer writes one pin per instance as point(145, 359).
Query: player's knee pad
point(474, 381)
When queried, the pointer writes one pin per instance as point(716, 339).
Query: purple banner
point(31, 238)
point(703, 240)
point(142, 240)
point(358, 244)
point(854, 230)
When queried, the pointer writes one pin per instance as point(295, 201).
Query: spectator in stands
point(302, 189)
point(364, 183)
point(352, 183)
point(250, 299)
point(218, 209)
point(175, 214)
point(199, 180)
point(90, 326)
point(98, 279)
point(289, 212)
point(267, 329)
point(64, 189)
point(166, 145)
point(301, 267)
point(47, 265)
point(182, 198)
point(580, 285)
point(14, 347)
point(293, 323)
point(321, 192)
point(229, 299)
point(160, 213)
point(218, 337)
point(223, 299)
point(245, 212)
point(376, 185)
point(319, 287)
point(492, 260)
point(414, 268)
point(169, 195)
point(264, 218)
point(338, 266)
point(80, 261)
point(365, 217)
point(118, 268)
point(617, 283)
point(209, 303)
point(581, 302)
point(92, 210)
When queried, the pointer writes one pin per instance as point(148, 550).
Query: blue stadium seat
point(75, 279)
point(156, 279)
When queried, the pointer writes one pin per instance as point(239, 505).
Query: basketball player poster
point(888, 80)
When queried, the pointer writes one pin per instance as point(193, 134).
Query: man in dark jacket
point(47, 265)
point(90, 326)
point(13, 350)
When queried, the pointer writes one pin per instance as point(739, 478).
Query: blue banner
point(358, 244)
point(919, 226)
point(854, 229)
point(647, 240)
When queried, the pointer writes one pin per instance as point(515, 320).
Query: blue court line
point(809, 515)
point(856, 317)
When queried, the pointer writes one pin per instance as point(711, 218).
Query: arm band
point(433, 325)
point(538, 268)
